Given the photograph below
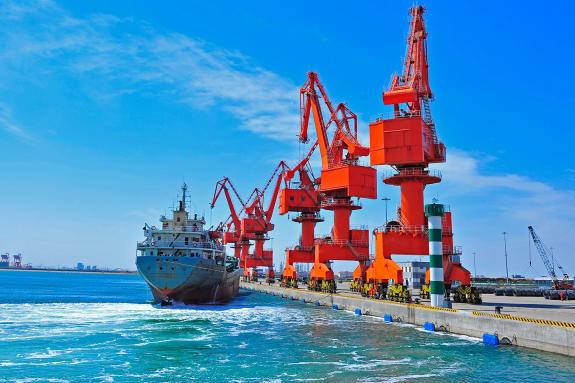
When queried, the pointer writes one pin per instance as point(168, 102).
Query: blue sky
point(107, 107)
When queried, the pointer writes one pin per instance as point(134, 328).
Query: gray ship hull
point(189, 280)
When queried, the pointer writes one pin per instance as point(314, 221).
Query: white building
point(414, 273)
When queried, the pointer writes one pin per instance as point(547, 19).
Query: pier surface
point(532, 322)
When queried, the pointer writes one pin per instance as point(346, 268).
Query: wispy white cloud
point(526, 197)
point(9, 125)
point(464, 169)
point(131, 55)
point(144, 213)
point(510, 202)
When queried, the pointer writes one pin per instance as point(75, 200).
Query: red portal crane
point(257, 224)
point(408, 142)
point(251, 224)
point(232, 226)
point(304, 199)
point(341, 179)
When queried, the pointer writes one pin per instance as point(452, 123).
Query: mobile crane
point(563, 284)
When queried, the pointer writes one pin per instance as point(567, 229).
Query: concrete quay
point(546, 335)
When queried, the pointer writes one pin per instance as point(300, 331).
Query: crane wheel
point(424, 293)
point(467, 294)
point(399, 293)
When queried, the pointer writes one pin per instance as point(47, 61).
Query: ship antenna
point(183, 201)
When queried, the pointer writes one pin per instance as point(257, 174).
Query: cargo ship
point(183, 262)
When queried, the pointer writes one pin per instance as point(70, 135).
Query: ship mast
point(183, 201)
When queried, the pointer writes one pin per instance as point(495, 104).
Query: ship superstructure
point(182, 261)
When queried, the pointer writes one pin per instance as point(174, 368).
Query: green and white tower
point(434, 213)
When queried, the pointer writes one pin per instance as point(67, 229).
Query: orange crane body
point(408, 142)
point(253, 227)
point(304, 200)
point(341, 178)
point(231, 236)
point(352, 180)
point(258, 224)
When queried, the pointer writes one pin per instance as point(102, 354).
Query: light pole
point(386, 200)
point(474, 266)
point(506, 266)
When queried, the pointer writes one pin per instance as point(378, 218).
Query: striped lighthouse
point(434, 212)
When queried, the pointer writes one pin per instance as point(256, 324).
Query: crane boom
point(221, 185)
point(309, 102)
point(290, 173)
point(270, 210)
point(344, 137)
point(413, 84)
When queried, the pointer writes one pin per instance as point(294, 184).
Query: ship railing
point(180, 244)
point(181, 229)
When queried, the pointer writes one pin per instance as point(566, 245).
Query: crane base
point(359, 272)
point(321, 272)
point(453, 272)
point(384, 270)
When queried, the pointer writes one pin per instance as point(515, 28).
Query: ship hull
point(189, 280)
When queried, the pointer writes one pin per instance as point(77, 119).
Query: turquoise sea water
point(68, 327)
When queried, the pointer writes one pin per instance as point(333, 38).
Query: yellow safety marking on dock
point(527, 320)
point(425, 307)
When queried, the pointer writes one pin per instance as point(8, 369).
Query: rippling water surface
point(69, 327)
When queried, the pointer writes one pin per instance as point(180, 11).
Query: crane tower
point(408, 142)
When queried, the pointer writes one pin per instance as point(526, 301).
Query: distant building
point(80, 266)
point(5, 261)
point(548, 282)
point(345, 275)
point(302, 270)
point(414, 273)
point(94, 268)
